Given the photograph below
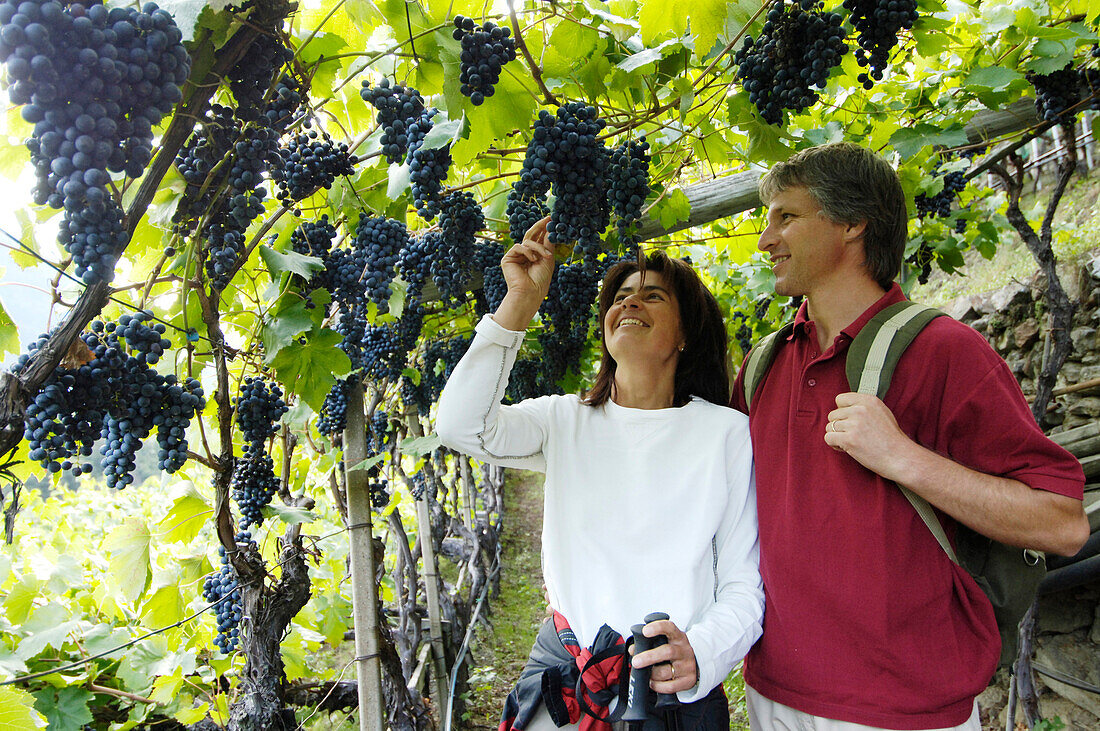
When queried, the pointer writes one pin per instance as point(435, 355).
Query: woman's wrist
point(516, 311)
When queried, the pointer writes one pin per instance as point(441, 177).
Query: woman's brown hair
point(702, 369)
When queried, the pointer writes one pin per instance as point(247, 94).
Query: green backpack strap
point(872, 358)
point(760, 360)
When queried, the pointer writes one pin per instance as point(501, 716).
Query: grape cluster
point(796, 49)
point(259, 409)
point(112, 394)
point(922, 259)
point(251, 77)
point(460, 219)
point(95, 238)
point(400, 108)
point(334, 411)
point(524, 211)
point(743, 334)
point(379, 494)
point(311, 162)
point(379, 240)
point(628, 185)
point(93, 82)
point(223, 165)
point(565, 313)
point(565, 156)
point(253, 484)
point(485, 50)
point(313, 238)
point(941, 203)
point(415, 261)
point(286, 101)
point(206, 149)
point(221, 587)
point(379, 431)
point(1057, 94)
point(877, 24)
point(487, 256)
point(428, 169)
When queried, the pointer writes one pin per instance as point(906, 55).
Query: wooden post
point(364, 589)
point(467, 491)
point(431, 582)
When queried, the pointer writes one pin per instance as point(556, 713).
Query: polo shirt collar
point(892, 296)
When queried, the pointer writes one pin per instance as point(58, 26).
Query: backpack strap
point(872, 358)
point(760, 360)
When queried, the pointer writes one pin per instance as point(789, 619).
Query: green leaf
point(663, 18)
point(649, 55)
point(66, 708)
point(418, 446)
point(708, 19)
point(993, 77)
point(17, 711)
point(9, 335)
point(128, 549)
point(184, 521)
point(412, 374)
point(164, 606)
point(289, 515)
point(398, 182)
point(911, 140)
point(569, 43)
point(310, 370)
point(367, 463)
point(672, 209)
point(20, 599)
point(292, 262)
point(443, 134)
point(289, 318)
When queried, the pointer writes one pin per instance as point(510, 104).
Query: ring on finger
point(673, 666)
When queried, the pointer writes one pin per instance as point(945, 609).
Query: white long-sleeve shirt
point(645, 510)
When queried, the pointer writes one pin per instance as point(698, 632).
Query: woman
point(649, 493)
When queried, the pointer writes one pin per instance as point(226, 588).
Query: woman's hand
point(528, 267)
point(674, 666)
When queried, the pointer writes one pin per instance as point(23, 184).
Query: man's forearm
point(1003, 509)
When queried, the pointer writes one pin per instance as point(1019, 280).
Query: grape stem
point(548, 98)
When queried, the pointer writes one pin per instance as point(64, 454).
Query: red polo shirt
point(866, 619)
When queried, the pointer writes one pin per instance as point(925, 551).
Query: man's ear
point(855, 231)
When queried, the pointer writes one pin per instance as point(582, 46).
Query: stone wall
point(1068, 642)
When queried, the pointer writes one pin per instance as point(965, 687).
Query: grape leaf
point(164, 606)
point(662, 18)
point(417, 446)
point(672, 209)
point(290, 261)
point(17, 712)
point(184, 521)
point(9, 335)
point(128, 548)
point(65, 708)
point(310, 369)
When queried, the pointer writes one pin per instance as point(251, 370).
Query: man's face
point(805, 247)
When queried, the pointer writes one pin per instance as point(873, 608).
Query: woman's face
point(644, 321)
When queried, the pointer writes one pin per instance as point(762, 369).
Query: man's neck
point(834, 308)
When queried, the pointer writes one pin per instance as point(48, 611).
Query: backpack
point(1009, 576)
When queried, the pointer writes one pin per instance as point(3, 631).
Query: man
point(867, 623)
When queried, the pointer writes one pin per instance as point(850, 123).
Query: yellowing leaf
point(17, 710)
point(164, 607)
point(663, 18)
point(128, 548)
point(184, 521)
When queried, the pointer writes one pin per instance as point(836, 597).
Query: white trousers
point(767, 715)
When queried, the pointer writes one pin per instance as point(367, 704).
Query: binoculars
point(637, 694)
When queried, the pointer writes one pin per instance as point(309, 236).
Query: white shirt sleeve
point(470, 417)
point(730, 626)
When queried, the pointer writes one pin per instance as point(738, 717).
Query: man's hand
point(863, 427)
point(674, 666)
